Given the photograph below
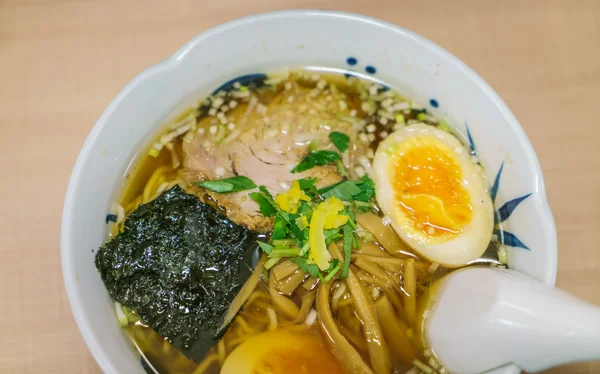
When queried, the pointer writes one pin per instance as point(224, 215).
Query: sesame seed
point(231, 126)
point(370, 153)
point(201, 130)
point(261, 109)
point(342, 104)
point(398, 126)
point(383, 121)
point(217, 102)
point(224, 108)
point(321, 84)
point(314, 93)
point(371, 137)
point(312, 112)
point(363, 137)
point(290, 99)
point(365, 107)
point(212, 130)
point(206, 144)
point(406, 111)
point(267, 120)
point(373, 90)
point(387, 103)
point(237, 85)
point(415, 105)
point(329, 98)
point(401, 106)
point(371, 128)
point(288, 85)
point(316, 77)
point(383, 134)
point(212, 112)
point(353, 113)
point(233, 104)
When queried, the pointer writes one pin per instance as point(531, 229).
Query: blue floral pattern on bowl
point(506, 210)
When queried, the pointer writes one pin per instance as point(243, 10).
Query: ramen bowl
point(320, 40)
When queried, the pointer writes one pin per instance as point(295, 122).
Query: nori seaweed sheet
point(178, 264)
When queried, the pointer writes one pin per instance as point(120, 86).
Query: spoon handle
point(505, 317)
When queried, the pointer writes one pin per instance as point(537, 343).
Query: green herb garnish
point(311, 269)
point(348, 241)
point(267, 248)
point(316, 158)
point(361, 190)
point(340, 140)
point(228, 185)
point(308, 185)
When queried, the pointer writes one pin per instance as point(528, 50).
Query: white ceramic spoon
point(484, 318)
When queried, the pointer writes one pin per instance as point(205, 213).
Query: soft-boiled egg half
point(434, 194)
point(281, 352)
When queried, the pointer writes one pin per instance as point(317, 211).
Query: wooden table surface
point(62, 61)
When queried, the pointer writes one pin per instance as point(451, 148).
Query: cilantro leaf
point(344, 191)
point(267, 248)
point(311, 269)
point(334, 267)
point(266, 192)
point(317, 158)
point(228, 185)
point(279, 229)
point(368, 189)
point(291, 226)
point(266, 207)
point(361, 190)
point(308, 185)
point(340, 140)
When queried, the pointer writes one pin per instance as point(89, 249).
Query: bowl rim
point(84, 325)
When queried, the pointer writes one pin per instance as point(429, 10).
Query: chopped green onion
point(228, 185)
point(154, 152)
point(284, 242)
point(400, 118)
point(271, 262)
point(333, 272)
point(341, 168)
point(284, 252)
point(121, 316)
point(422, 117)
point(502, 255)
point(305, 249)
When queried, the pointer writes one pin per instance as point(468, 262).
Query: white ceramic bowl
point(262, 43)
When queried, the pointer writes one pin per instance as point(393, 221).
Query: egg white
point(471, 242)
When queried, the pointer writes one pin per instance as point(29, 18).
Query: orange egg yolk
point(282, 352)
point(427, 178)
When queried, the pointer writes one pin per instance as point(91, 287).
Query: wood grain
point(61, 62)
